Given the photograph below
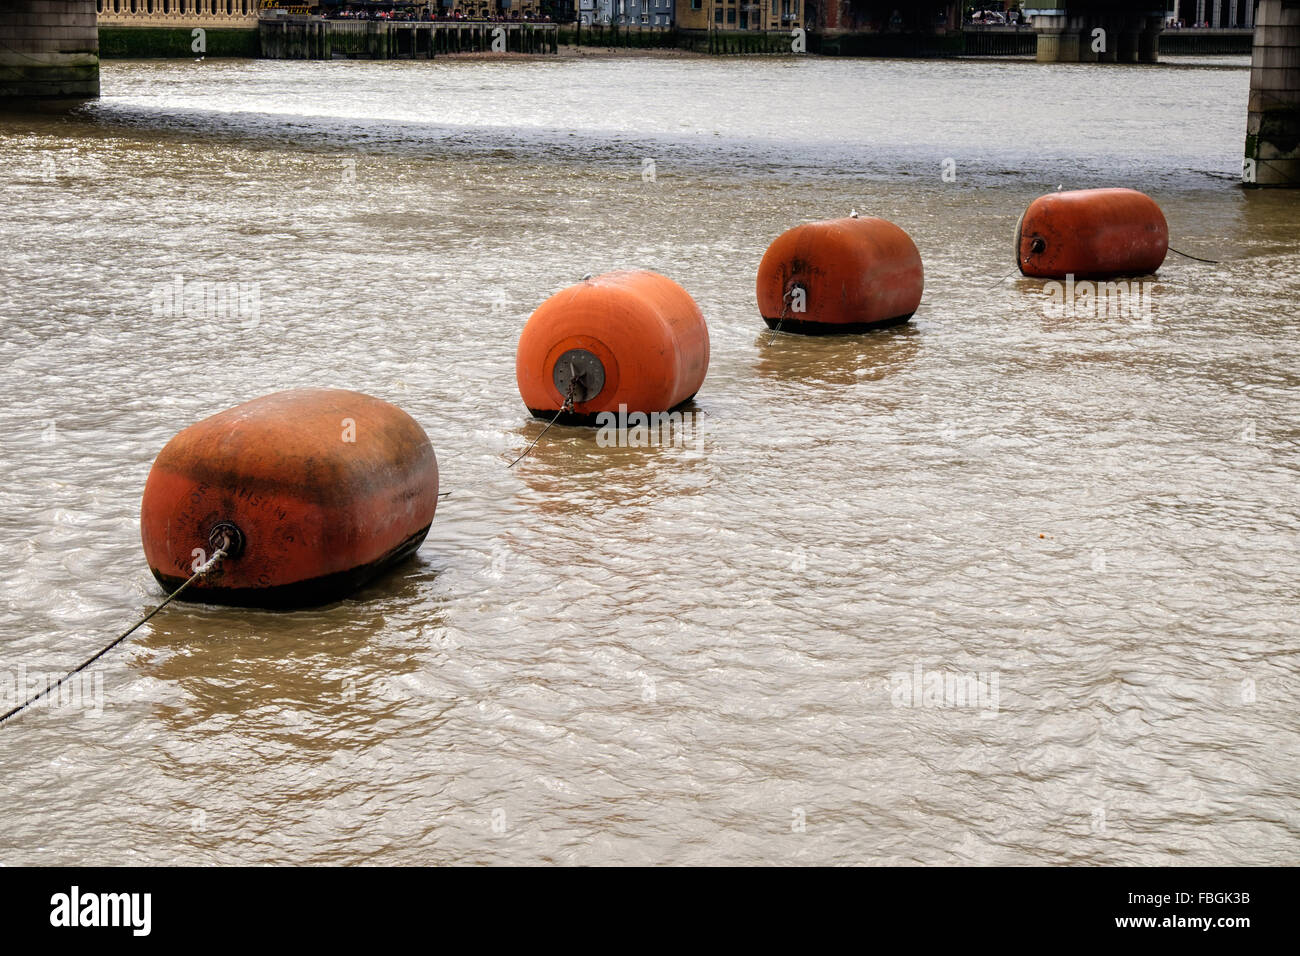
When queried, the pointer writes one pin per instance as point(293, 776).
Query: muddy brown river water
point(703, 651)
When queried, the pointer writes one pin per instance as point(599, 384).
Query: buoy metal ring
point(226, 536)
point(581, 370)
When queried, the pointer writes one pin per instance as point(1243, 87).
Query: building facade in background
point(178, 13)
point(740, 14)
point(643, 13)
point(234, 13)
point(1218, 14)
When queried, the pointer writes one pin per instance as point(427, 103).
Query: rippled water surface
point(686, 653)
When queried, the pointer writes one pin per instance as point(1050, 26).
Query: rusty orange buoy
point(840, 275)
point(311, 492)
point(1091, 234)
point(633, 340)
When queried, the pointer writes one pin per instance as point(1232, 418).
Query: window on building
point(731, 15)
point(695, 4)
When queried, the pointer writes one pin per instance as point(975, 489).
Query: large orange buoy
point(841, 275)
point(311, 492)
point(632, 339)
point(1091, 234)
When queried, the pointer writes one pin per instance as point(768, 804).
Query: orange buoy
point(1091, 234)
point(840, 275)
point(312, 491)
point(631, 339)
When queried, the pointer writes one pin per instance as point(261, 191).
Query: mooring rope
point(785, 309)
point(1213, 262)
point(1008, 275)
point(1003, 279)
point(203, 569)
point(566, 407)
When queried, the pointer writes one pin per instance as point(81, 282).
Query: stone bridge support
point(49, 52)
point(1069, 33)
point(1273, 117)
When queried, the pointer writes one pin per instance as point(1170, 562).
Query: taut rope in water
point(1213, 262)
point(566, 407)
point(204, 569)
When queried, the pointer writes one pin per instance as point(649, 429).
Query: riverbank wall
point(309, 38)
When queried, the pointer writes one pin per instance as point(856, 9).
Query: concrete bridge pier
point(1129, 41)
point(49, 52)
point(1069, 36)
point(1058, 37)
point(1273, 118)
point(1149, 39)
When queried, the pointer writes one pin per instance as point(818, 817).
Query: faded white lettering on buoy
point(498, 39)
point(948, 170)
point(200, 40)
point(799, 40)
point(1098, 40)
point(349, 430)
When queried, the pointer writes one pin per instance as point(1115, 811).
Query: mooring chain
point(566, 407)
point(198, 573)
point(785, 310)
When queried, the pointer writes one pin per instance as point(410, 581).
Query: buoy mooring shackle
point(1038, 245)
point(581, 371)
point(226, 536)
